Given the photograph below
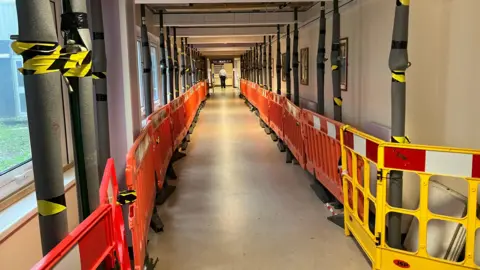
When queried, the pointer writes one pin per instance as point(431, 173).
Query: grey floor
point(238, 205)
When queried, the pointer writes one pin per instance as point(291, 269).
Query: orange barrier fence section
point(98, 240)
point(275, 113)
point(323, 150)
point(179, 128)
point(263, 100)
point(292, 130)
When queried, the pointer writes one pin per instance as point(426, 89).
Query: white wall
point(442, 95)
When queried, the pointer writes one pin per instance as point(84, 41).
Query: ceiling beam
point(225, 49)
point(226, 19)
point(227, 31)
point(225, 39)
point(209, 1)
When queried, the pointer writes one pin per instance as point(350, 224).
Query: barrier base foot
point(150, 263)
point(177, 155)
point(262, 124)
point(171, 172)
point(322, 193)
point(289, 156)
point(268, 131)
point(338, 220)
point(165, 194)
point(256, 113)
point(281, 146)
point(273, 136)
point(187, 138)
point(156, 222)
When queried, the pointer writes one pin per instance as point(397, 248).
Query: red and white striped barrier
point(361, 145)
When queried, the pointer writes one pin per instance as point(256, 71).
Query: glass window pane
point(153, 53)
point(140, 72)
point(14, 137)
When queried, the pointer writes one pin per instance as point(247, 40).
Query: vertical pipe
point(296, 82)
point(264, 65)
point(194, 65)
point(82, 106)
point(184, 67)
point(43, 94)
point(188, 64)
point(335, 61)
point(170, 67)
point(287, 66)
point(279, 63)
point(147, 65)
point(163, 60)
point(398, 64)
point(270, 63)
point(258, 63)
point(176, 66)
point(321, 62)
point(99, 62)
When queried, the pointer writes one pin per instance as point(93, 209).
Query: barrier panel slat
point(262, 102)
point(141, 176)
point(292, 131)
point(98, 239)
point(323, 150)
point(275, 113)
point(179, 129)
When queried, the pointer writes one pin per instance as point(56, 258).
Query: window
point(153, 53)
point(15, 153)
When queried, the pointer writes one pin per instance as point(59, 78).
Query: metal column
point(296, 82)
point(264, 65)
point(43, 94)
point(99, 63)
point(163, 60)
point(270, 64)
point(335, 61)
point(170, 67)
point(398, 64)
point(184, 67)
point(147, 65)
point(82, 106)
point(279, 63)
point(287, 66)
point(176, 66)
point(321, 62)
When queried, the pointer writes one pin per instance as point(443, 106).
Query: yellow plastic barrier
point(359, 150)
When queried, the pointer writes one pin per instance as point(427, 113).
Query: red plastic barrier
point(140, 176)
point(189, 107)
point(242, 86)
point(179, 129)
point(323, 150)
point(161, 134)
point(275, 113)
point(97, 239)
point(292, 130)
point(262, 103)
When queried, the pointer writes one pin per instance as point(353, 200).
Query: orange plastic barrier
point(98, 239)
point(262, 103)
point(275, 113)
point(242, 86)
point(179, 129)
point(292, 131)
point(141, 176)
point(252, 94)
point(161, 134)
point(323, 150)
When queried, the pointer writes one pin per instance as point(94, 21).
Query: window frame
point(20, 177)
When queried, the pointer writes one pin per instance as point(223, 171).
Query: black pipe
point(270, 63)
point(170, 67)
point(279, 63)
point(321, 62)
point(184, 67)
point(177, 66)
point(296, 82)
point(287, 66)
point(163, 60)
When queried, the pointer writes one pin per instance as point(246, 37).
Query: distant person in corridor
point(223, 77)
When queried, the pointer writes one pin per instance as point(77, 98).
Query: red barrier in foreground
point(262, 103)
point(323, 150)
point(275, 113)
point(292, 130)
point(98, 239)
point(179, 129)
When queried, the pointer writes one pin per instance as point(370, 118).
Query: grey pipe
point(270, 64)
point(176, 66)
point(321, 62)
point(398, 64)
point(170, 67)
point(335, 61)
point(184, 67)
point(147, 65)
point(43, 95)
point(264, 66)
point(82, 107)
point(287, 66)
point(296, 82)
point(163, 60)
point(279, 63)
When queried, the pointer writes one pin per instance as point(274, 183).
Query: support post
point(184, 67)
point(264, 65)
point(335, 61)
point(287, 66)
point(99, 63)
point(296, 82)
point(398, 64)
point(82, 106)
point(188, 64)
point(176, 66)
point(163, 60)
point(270, 64)
point(321, 62)
point(43, 94)
point(279, 63)
point(170, 67)
point(194, 65)
point(147, 65)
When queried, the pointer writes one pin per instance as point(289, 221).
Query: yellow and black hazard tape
point(126, 197)
point(400, 139)
point(52, 206)
point(44, 57)
point(99, 75)
point(334, 67)
point(338, 101)
point(398, 76)
point(403, 2)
